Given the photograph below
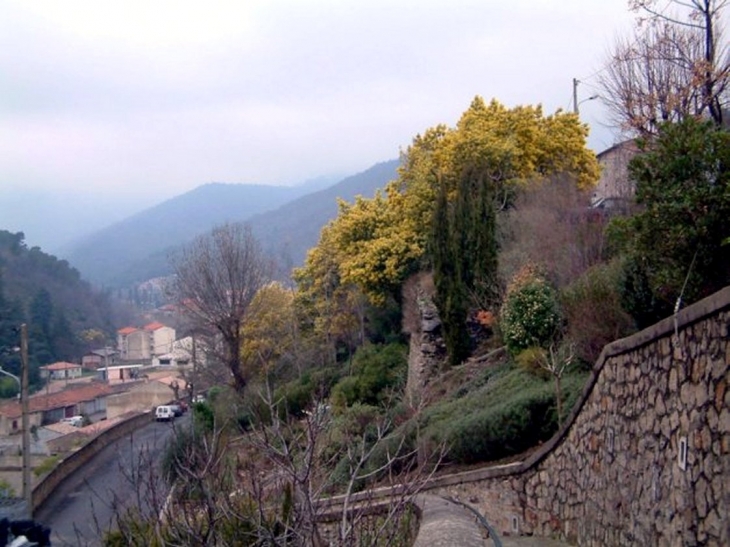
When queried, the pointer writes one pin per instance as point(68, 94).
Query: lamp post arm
point(13, 376)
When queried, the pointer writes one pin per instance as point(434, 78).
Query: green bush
point(298, 395)
point(530, 314)
point(46, 465)
point(377, 369)
point(6, 490)
point(513, 411)
point(495, 433)
point(203, 417)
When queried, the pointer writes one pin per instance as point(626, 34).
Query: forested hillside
point(65, 316)
point(287, 221)
point(288, 232)
point(120, 253)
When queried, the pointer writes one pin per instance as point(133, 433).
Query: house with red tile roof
point(141, 344)
point(61, 371)
point(45, 408)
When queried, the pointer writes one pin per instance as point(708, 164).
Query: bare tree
point(216, 278)
point(301, 459)
point(676, 65)
point(271, 485)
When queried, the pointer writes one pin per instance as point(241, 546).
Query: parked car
point(176, 409)
point(164, 413)
point(76, 421)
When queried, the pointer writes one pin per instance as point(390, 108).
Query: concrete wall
point(644, 458)
point(141, 397)
point(82, 456)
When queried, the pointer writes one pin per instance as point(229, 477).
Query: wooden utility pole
point(24, 403)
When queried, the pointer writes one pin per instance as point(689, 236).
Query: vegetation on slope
point(546, 281)
point(64, 315)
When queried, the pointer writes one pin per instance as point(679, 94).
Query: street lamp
point(576, 102)
point(23, 394)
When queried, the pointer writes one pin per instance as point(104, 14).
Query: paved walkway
point(446, 524)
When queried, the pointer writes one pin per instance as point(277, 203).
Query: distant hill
point(288, 232)
point(287, 220)
point(105, 257)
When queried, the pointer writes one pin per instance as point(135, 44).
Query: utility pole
point(195, 372)
point(576, 81)
point(24, 403)
point(106, 362)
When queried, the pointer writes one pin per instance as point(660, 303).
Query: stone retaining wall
point(70, 464)
point(644, 458)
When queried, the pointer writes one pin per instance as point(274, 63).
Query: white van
point(164, 413)
point(76, 421)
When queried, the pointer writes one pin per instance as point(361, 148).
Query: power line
point(638, 34)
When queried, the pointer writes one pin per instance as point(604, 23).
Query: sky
point(146, 100)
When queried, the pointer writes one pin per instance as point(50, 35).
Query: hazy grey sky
point(153, 98)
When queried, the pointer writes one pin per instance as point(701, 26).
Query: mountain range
point(286, 221)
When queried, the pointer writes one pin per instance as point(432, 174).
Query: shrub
point(494, 433)
point(298, 395)
point(376, 370)
point(46, 465)
point(6, 490)
point(513, 411)
point(530, 314)
point(593, 310)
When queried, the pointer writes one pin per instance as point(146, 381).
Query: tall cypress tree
point(464, 253)
point(446, 241)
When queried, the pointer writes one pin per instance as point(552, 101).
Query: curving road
point(123, 475)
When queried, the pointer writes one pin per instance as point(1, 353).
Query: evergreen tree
point(63, 340)
point(40, 348)
point(464, 251)
point(11, 317)
point(683, 185)
point(451, 301)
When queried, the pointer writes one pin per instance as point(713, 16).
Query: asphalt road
point(85, 505)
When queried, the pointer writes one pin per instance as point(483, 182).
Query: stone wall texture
point(644, 458)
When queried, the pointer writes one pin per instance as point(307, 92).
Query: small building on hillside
point(99, 357)
point(161, 338)
point(61, 371)
point(120, 373)
point(180, 356)
point(614, 184)
point(46, 408)
point(141, 344)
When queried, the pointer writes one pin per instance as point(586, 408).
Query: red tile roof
point(42, 401)
point(61, 365)
point(154, 326)
point(127, 330)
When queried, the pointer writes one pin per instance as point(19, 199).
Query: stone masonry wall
point(427, 351)
point(644, 458)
